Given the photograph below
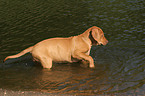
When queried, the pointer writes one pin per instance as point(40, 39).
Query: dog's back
point(58, 49)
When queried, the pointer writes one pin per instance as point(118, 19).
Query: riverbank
point(4, 92)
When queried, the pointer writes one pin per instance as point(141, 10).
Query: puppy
point(66, 49)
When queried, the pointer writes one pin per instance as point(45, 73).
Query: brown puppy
point(66, 49)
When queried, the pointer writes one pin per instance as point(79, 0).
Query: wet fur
point(69, 49)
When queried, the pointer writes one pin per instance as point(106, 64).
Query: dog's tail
point(19, 54)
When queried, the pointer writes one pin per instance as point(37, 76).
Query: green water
point(120, 65)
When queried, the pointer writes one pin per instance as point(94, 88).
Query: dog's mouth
point(102, 43)
point(98, 43)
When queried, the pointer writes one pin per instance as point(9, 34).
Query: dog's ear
point(98, 36)
point(94, 42)
point(95, 34)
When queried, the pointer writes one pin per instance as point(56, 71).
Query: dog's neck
point(86, 39)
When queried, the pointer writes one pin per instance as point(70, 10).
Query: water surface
point(120, 65)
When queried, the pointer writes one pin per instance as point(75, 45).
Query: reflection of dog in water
point(66, 49)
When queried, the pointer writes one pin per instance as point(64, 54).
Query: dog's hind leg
point(46, 62)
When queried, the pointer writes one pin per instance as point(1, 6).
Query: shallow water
point(120, 65)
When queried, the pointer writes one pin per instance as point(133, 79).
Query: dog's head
point(97, 36)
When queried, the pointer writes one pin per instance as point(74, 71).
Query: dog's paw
point(92, 66)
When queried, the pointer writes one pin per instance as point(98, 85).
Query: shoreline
point(4, 92)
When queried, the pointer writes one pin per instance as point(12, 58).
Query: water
point(120, 65)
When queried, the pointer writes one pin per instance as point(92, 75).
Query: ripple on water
point(120, 65)
point(117, 70)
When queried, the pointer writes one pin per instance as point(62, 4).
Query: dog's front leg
point(81, 55)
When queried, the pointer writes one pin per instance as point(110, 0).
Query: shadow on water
point(120, 65)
